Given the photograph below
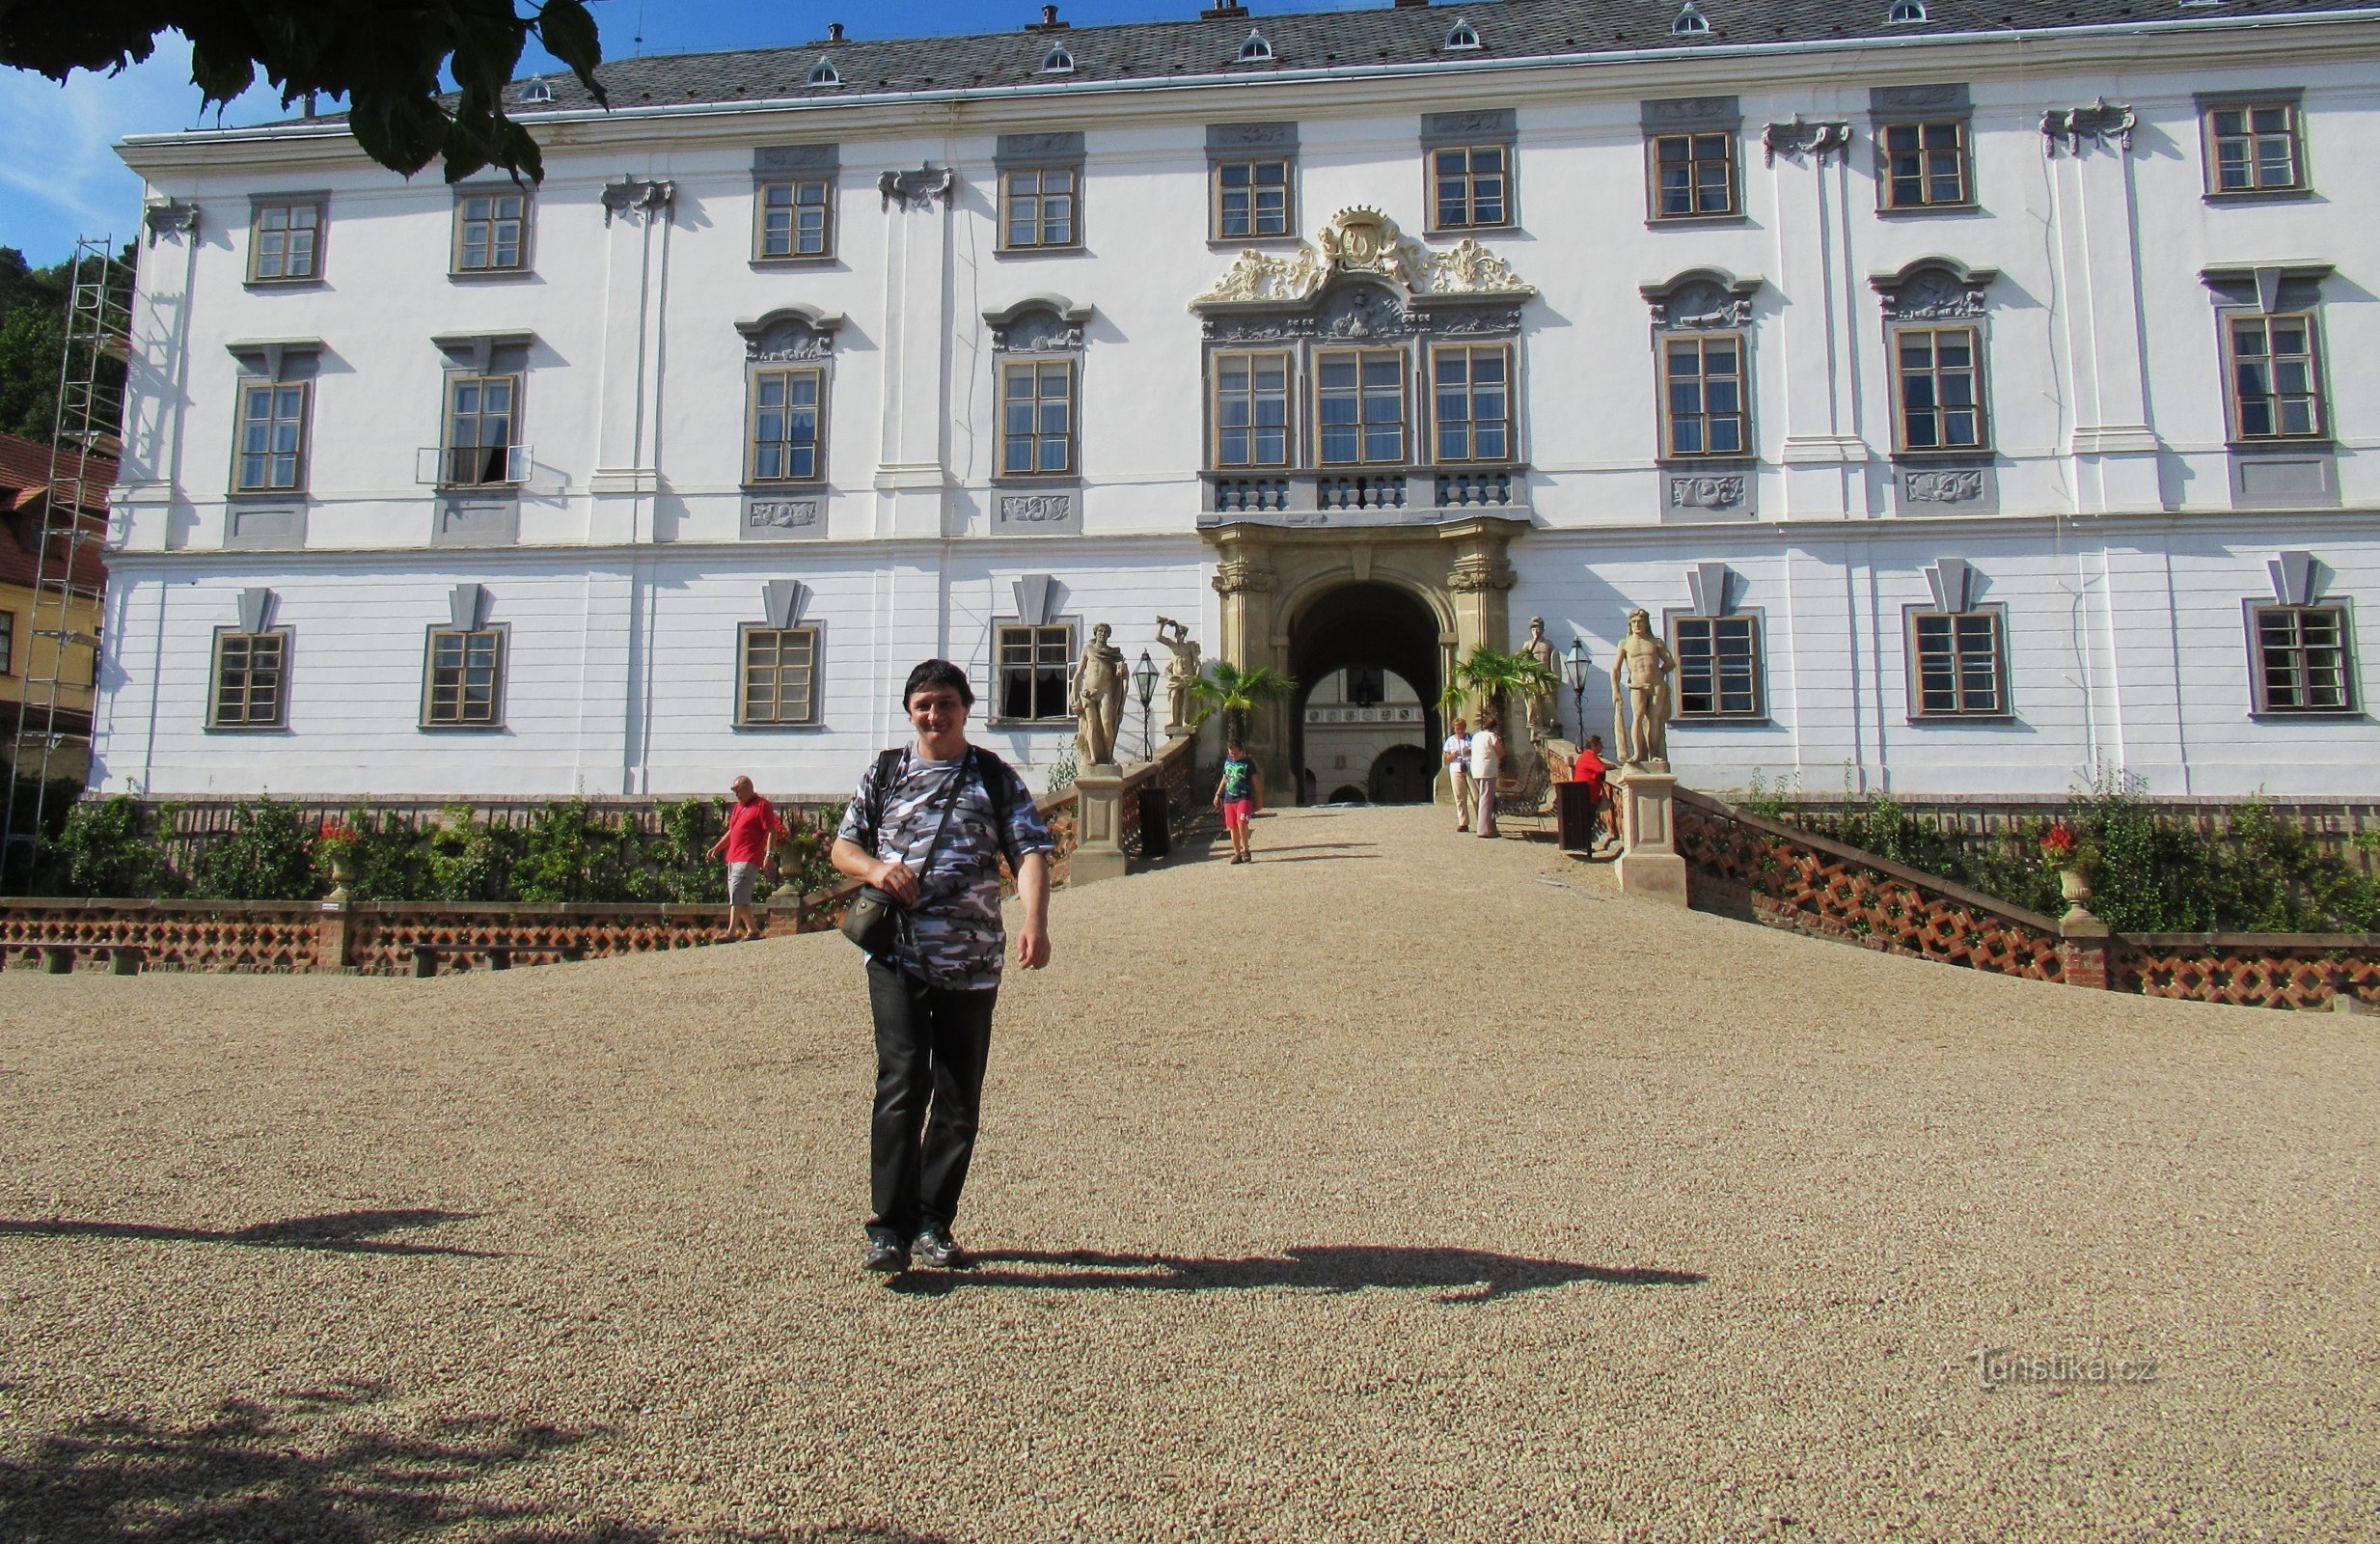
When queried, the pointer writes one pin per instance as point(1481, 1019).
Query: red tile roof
point(25, 468)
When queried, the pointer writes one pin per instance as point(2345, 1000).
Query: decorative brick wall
point(225, 935)
point(1787, 877)
point(1791, 878)
point(2253, 970)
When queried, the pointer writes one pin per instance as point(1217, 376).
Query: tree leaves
point(386, 57)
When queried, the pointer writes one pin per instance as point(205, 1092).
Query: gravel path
point(1401, 1186)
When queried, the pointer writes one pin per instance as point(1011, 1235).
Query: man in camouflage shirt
point(932, 993)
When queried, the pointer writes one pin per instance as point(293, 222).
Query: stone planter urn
point(2075, 885)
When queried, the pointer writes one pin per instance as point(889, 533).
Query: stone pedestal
point(1649, 866)
point(1099, 824)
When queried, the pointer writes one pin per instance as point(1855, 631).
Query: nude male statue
point(1099, 679)
point(1181, 671)
point(1647, 663)
point(1543, 721)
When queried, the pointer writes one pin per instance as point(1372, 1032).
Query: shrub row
point(2150, 872)
point(568, 852)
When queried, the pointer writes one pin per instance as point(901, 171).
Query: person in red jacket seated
point(1594, 772)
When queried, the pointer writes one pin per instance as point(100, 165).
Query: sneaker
point(888, 1257)
point(935, 1246)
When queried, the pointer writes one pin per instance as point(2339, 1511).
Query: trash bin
point(1573, 817)
point(1156, 842)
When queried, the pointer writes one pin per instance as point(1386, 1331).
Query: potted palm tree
point(1238, 691)
point(1495, 677)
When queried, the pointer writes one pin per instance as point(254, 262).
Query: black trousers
point(931, 1047)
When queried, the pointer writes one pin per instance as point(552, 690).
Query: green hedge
point(2150, 872)
point(569, 852)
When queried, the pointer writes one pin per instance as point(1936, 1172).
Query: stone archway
point(1271, 575)
point(1367, 622)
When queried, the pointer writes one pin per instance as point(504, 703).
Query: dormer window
point(536, 92)
point(1690, 22)
point(1464, 35)
point(1906, 11)
point(824, 74)
point(1255, 50)
point(1057, 61)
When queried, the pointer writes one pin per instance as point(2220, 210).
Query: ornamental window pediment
point(789, 333)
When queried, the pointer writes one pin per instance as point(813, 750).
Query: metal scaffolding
point(90, 416)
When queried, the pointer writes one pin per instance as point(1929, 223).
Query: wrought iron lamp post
point(1575, 665)
point(1144, 682)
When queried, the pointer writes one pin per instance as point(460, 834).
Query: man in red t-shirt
point(752, 830)
point(1594, 772)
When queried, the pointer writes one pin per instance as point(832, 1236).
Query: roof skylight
point(1255, 50)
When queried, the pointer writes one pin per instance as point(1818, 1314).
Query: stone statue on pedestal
point(1180, 671)
point(1640, 703)
point(1543, 722)
point(1100, 681)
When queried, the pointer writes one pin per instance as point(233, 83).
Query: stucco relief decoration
point(1037, 332)
point(1934, 292)
point(643, 194)
point(1363, 240)
point(1706, 493)
point(1469, 268)
point(1362, 311)
point(1238, 576)
point(918, 189)
point(1796, 139)
point(783, 514)
point(1700, 303)
point(2099, 123)
point(1943, 488)
point(789, 336)
point(1035, 508)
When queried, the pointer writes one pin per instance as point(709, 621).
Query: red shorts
point(1236, 811)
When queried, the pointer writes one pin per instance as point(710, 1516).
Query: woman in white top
point(1487, 760)
point(1458, 751)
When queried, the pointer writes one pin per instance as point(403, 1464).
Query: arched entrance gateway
point(1365, 477)
point(1314, 600)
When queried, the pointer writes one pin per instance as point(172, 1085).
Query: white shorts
point(740, 883)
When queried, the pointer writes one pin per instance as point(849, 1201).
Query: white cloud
point(63, 178)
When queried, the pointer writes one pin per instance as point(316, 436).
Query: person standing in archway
point(1487, 750)
point(1458, 757)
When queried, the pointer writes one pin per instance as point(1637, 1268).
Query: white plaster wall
point(2126, 633)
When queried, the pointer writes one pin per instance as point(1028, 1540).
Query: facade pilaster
point(912, 467)
point(637, 220)
point(152, 507)
point(2114, 452)
point(1824, 454)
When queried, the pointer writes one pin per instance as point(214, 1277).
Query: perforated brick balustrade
point(1787, 877)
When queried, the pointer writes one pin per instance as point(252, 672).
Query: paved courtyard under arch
point(1403, 1185)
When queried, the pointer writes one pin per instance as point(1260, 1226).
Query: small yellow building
point(72, 579)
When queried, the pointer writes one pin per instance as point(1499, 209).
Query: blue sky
point(75, 186)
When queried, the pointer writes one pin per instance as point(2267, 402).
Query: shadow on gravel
point(1459, 1274)
point(295, 1467)
point(336, 1232)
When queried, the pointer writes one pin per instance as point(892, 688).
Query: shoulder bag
point(873, 918)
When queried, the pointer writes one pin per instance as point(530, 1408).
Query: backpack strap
point(997, 780)
point(887, 767)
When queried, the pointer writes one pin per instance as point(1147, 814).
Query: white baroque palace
point(1975, 402)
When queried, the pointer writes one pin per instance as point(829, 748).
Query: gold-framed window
point(1359, 409)
point(1252, 409)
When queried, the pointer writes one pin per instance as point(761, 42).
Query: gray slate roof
point(1157, 51)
